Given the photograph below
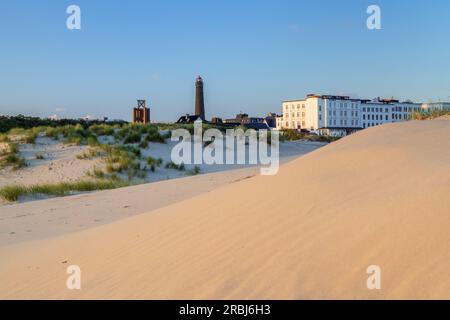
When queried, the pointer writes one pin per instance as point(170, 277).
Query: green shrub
point(152, 161)
point(291, 135)
point(133, 138)
point(13, 148)
point(39, 156)
point(143, 144)
point(92, 141)
point(195, 171)
point(173, 165)
point(73, 140)
point(52, 133)
point(102, 129)
point(98, 173)
point(30, 137)
point(155, 137)
point(4, 138)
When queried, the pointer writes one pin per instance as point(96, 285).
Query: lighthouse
point(199, 100)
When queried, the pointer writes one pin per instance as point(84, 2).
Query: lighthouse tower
point(199, 101)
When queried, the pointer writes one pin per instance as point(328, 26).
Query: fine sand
point(47, 218)
point(378, 197)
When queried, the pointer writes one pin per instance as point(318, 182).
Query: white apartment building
point(325, 114)
point(341, 115)
point(381, 111)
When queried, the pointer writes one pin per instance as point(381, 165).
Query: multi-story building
point(381, 111)
point(325, 114)
point(375, 113)
point(341, 115)
point(401, 111)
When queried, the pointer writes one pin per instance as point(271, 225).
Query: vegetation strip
point(14, 192)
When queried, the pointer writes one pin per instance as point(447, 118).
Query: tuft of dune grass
point(12, 158)
point(14, 192)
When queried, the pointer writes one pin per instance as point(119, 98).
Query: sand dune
point(52, 217)
point(379, 197)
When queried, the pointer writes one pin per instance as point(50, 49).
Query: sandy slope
point(377, 197)
point(51, 217)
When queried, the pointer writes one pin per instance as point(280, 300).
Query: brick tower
point(199, 101)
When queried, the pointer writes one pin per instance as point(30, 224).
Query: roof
point(188, 118)
point(257, 126)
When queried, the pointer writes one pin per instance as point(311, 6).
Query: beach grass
point(11, 158)
point(428, 115)
point(12, 193)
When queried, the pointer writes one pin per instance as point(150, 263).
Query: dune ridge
point(378, 197)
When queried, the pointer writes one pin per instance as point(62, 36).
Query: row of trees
point(7, 123)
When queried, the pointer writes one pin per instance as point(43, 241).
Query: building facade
point(342, 115)
point(325, 114)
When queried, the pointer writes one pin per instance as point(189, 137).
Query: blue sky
point(251, 54)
